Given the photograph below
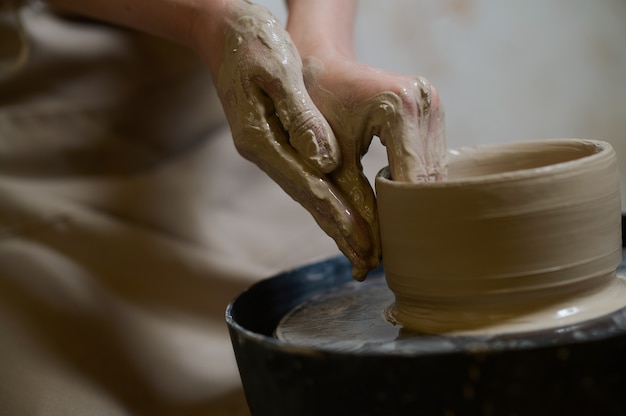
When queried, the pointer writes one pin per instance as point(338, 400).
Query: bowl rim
point(599, 150)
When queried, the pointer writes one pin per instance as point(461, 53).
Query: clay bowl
point(520, 236)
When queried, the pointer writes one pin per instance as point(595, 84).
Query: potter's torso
point(94, 98)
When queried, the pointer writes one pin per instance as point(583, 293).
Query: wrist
point(239, 18)
point(207, 30)
point(323, 27)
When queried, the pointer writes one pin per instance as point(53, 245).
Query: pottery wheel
point(312, 341)
point(350, 318)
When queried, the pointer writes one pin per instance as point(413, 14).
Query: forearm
point(322, 25)
point(198, 24)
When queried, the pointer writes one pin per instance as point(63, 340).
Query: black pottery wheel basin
point(574, 370)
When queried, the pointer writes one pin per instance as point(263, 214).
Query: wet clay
point(520, 236)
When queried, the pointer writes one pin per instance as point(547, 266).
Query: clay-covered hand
point(276, 125)
point(360, 102)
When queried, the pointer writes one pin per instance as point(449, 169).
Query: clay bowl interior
point(523, 158)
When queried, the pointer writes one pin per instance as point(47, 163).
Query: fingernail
point(359, 274)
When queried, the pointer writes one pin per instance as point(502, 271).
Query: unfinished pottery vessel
point(520, 236)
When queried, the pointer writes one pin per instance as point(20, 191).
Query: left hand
point(360, 102)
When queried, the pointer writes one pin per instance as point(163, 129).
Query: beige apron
point(127, 222)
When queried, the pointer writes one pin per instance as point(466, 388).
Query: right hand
point(276, 125)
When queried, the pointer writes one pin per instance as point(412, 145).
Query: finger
point(354, 139)
point(412, 130)
point(432, 131)
point(281, 79)
point(436, 137)
point(352, 183)
point(269, 150)
point(354, 135)
point(308, 131)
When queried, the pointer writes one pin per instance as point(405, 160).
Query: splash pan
point(311, 341)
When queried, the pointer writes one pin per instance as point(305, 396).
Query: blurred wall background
point(507, 70)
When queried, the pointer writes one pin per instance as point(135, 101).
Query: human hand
point(359, 102)
point(276, 125)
